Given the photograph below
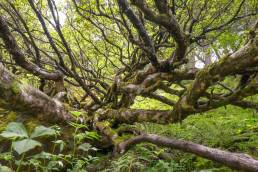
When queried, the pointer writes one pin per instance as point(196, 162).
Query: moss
point(31, 124)
point(185, 106)
point(3, 103)
point(15, 87)
point(105, 124)
point(5, 119)
point(119, 139)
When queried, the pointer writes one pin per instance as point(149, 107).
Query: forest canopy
point(105, 66)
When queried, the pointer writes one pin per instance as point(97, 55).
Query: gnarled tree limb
point(24, 98)
point(234, 160)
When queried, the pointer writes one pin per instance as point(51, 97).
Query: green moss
point(31, 124)
point(187, 107)
point(15, 87)
point(120, 139)
point(105, 124)
point(5, 119)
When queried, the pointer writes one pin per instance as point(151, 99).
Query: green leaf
point(76, 113)
point(5, 168)
point(61, 144)
point(25, 145)
point(76, 125)
point(85, 147)
point(42, 131)
point(15, 130)
point(43, 155)
point(54, 165)
point(92, 135)
point(7, 156)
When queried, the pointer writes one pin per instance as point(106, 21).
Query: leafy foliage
point(15, 130)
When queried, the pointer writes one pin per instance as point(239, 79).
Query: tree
point(112, 52)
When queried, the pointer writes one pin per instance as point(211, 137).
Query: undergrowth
point(230, 128)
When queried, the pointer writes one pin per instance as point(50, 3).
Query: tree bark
point(130, 116)
point(24, 98)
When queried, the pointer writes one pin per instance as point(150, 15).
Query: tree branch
point(236, 161)
point(23, 98)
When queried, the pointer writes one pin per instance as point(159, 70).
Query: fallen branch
point(237, 161)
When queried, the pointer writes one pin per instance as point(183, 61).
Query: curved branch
point(130, 116)
point(26, 99)
point(246, 104)
point(234, 160)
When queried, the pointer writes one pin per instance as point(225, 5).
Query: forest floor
point(229, 128)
